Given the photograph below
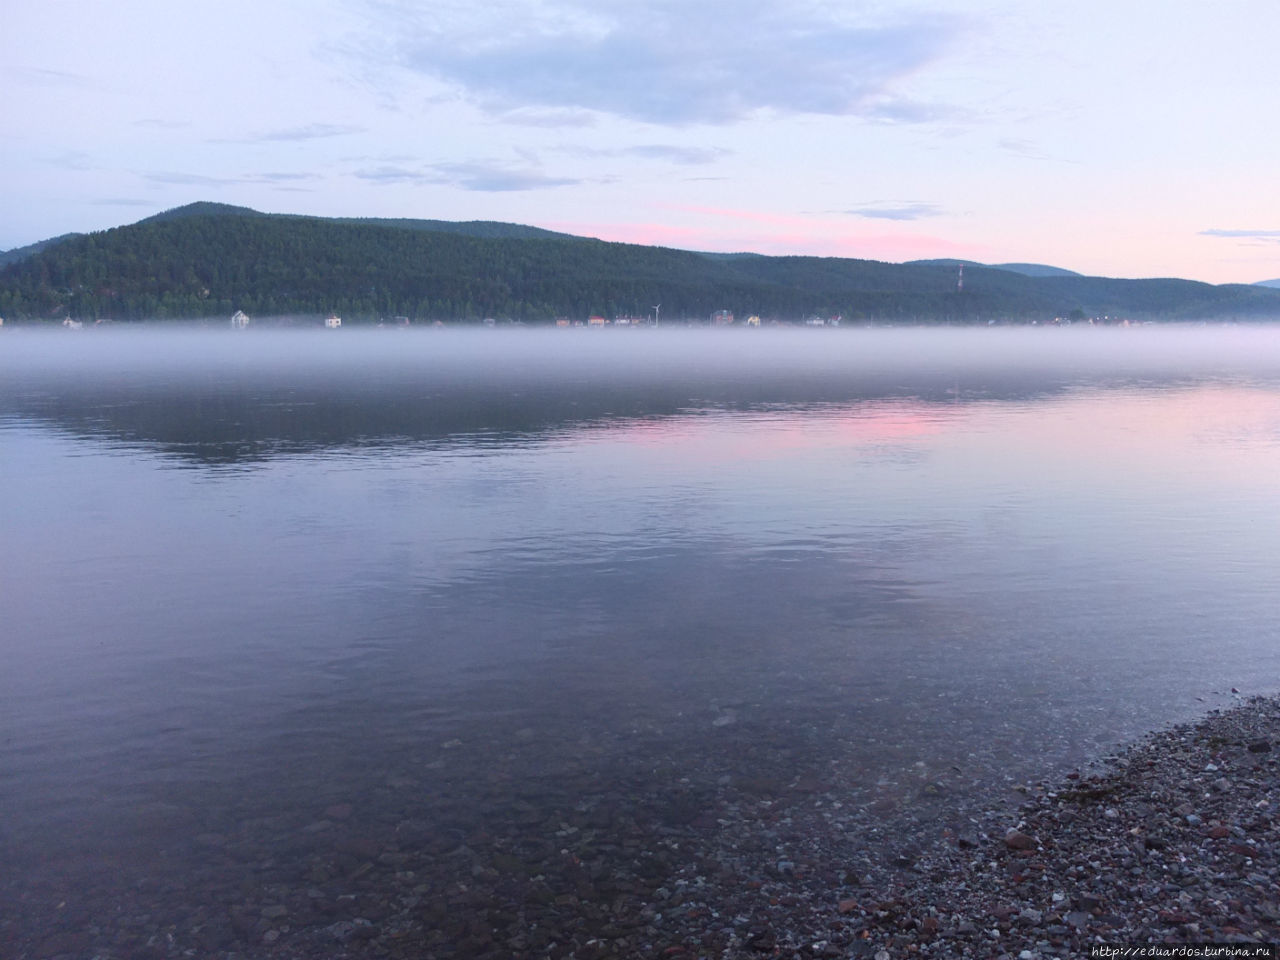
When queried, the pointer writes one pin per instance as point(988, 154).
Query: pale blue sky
point(1123, 138)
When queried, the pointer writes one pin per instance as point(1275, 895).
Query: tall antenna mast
point(960, 280)
point(657, 311)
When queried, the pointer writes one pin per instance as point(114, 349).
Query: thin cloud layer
point(903, 211)
point(477, 176)
point(161, 124)
point(687, 156)
point(669, 61)
point(282, 177)
point(182, 178)
point(497, 179)
point(1243, 234)
point(683, 156)
point(42, 77)
point(310, 131)
point(179, 178)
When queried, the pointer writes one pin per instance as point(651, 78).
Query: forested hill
point(209, 260)
point(470, 228)
point(30, 250)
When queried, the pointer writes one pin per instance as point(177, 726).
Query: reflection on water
point(435, 576)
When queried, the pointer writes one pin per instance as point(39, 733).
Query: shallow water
point(479, 577)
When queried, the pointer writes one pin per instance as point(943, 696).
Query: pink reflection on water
point(763, 435)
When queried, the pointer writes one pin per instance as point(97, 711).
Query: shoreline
point(1171, 840)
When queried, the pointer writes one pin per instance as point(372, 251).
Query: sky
point(1129, 138)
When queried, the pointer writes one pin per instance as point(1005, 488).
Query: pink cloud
point(757, 216)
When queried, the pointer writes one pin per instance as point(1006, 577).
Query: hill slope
point(1036, 270)
point(31, 249)
point(1026, 269)
point(490, 229)
point(204, 208)
point(212, 259)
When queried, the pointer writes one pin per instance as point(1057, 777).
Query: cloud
point(70, 160)
point(900, 110)
point(310, 131)
point(281, 177)
point(488, 178)
point(477, 176)
point(686, 156)
point(388, 174)
point(669, 61)
point(737, 213)
point(179, 178)
point(189, 179)
point(1018, 145)
point(1270, 235)
point(162, 124)
point(904, 211)
point(535, 117)
point(689, 156)
point(43, 77)
point(1028, 150)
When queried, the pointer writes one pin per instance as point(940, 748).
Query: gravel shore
point(1172, 841)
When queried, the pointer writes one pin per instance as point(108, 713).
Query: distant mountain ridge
point(209, 260)
point(1026, 269)
point(1268, 283)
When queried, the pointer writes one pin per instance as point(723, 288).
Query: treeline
point(210, 260)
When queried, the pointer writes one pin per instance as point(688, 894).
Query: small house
point(239, 320)
point(333, 322)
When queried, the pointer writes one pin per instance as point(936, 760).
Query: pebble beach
point(1171, 841)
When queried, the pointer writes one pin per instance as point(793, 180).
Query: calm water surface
point(249, 576)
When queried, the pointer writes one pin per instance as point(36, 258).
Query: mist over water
point(516, 357)
point(251, 574)
point(289, 389)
